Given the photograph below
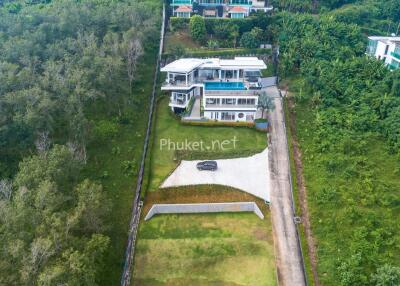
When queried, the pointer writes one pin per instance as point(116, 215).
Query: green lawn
point(212, 249)
point(169, 128)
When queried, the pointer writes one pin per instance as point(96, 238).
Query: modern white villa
point(386, 49)
point(218, 8)
point(224, 89)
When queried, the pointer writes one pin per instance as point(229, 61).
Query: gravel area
point(249, 174)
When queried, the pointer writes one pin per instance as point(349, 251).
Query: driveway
point(249, 174)
point(287, 245)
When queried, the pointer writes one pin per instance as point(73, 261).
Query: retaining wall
point(204, 208)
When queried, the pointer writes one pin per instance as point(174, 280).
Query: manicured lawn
point(169, 128)
point(210, 249)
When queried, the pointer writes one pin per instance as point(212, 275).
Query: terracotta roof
point(238, 9)
point(184, 9)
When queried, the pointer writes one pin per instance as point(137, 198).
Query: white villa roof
point(385, 39)
point(187, 65)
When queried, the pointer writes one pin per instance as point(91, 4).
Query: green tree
point(249, 40)
point(197, 28)
point(265, 102)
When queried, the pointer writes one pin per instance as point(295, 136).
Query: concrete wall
point(204, 208)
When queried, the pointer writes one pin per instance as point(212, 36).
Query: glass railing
point(240, 2)
point(211, 2)
point(181, 2)
point(396, 53)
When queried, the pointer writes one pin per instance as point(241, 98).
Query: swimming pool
point(224, 85)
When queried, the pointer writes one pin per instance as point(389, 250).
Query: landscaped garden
point(216, 249)
point(170, 132)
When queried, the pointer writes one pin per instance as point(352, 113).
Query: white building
point(218, 8)
point(227, 89)
point(386, 49)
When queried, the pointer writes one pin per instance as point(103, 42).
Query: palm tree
point(265, 103)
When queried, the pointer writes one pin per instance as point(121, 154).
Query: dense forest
point(68, 80)
point(348, 108)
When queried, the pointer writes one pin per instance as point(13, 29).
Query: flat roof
point(385, 39)
point(189, 64)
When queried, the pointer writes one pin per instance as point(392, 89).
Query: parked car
point(207, 166)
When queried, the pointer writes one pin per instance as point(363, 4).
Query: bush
point(177, 23)
point(249, 40)
point(105, 129)
point(216, 155)
point(177, 51)
point(244, 25)
point(218, 123)
point(197, 28)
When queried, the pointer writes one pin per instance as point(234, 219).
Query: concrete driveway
point(249, 174)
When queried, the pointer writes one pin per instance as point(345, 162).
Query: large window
point(227, 116)
point(237, 15)
point(246, 101)
point(212, 101)
point(229, 101)
point(179, 98)
point(372, 45)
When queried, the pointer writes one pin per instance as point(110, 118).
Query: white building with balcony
point(218, 8)
point(227, 89)
point(386, 49)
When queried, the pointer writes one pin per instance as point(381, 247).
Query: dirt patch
point(200, 194)
point(312, 251)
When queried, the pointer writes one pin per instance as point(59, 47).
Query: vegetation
point(197, 28)
point(204, 249)
point(69, 87)
point(169, 132)
point(346, 105)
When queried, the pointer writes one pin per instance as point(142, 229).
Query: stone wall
point(204, 208)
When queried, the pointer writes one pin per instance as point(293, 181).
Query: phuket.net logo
point(198, 145)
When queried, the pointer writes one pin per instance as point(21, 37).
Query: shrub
point(105, 129)
point(177, 23)
point(249, 40)
point(244, 25)
point(177, 50)
point(197, 28)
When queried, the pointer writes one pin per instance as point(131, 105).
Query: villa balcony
point(246, 92)
point(178, 103)
point(240, 2)
point(396, 55)
point(231, 106)
point(181, 2)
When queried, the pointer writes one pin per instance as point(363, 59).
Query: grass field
point(168, 127)
point(212, 249)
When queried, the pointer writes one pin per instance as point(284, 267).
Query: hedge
point(218, 123)
point(222, 53)
point(214, 155)
point(244, 24)
point(177, 23)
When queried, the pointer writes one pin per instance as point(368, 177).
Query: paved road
point(249, 174)
point(287, 248)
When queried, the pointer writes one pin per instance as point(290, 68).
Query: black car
point(207, 166)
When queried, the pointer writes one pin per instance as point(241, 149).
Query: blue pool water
point(224, 86)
